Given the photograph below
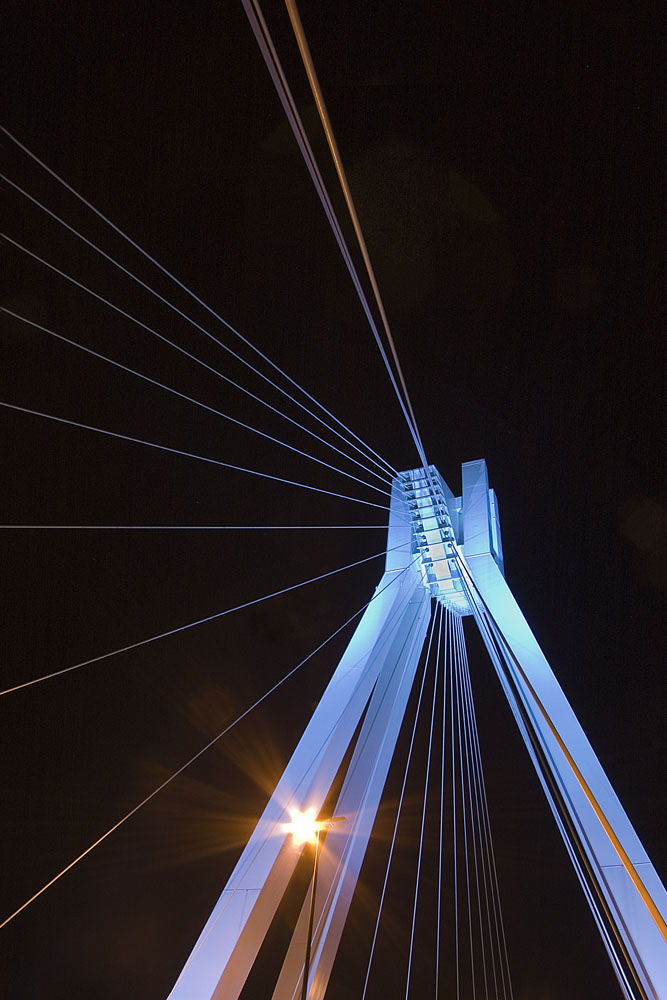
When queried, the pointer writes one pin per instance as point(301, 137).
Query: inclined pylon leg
point(585, 794)
point(345, 845)
point(448, 548)
point(393, 625)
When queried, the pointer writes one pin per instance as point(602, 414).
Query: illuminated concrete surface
point(447, 548)
point(389, 637)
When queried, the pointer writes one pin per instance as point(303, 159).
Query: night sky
point(508, 169)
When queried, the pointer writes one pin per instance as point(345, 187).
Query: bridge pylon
point(445, 548)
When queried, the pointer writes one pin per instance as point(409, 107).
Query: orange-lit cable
point(622, 854)
point(335, 154)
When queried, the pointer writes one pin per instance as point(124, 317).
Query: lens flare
point(303, 826)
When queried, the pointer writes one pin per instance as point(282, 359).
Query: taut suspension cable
point(191, 399)
point(196, 756)
point(446, 617)
point(192, 295)
point(189, 625)
point(347, 194)
point(260, 29)
point(483, 614)
point(438, 616)
point(478, 770)
point(193, 527)
point(399, 808)
point(187, 454)
point(193, 357)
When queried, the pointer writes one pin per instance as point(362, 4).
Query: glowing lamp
point(303, 826)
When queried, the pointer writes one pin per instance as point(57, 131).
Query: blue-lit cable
point(472, 802)
point(188, 354)
point(573, 848)
point(188, 454)
point(398, 811)
point(272, 61)
point(450, 652)
point(189, 320)
point(497, 645)
point(200, 621)
point(392, 623)
point(191, 399)
point(442, 799)
point(437, 614)
point(570, 847)
point(335, 153)
point(484, 630)
point(481, 813)
point(414, 638)
point(500, 926)
point(465, 813)
point(464, 822)
point(484, 843)
point(192, 527)
point(199, 753)
point(208, 308)
point(487, 836)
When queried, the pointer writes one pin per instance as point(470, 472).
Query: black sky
point(508, 167)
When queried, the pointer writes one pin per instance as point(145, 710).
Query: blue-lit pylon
point(381, 656)
point(626, 895)
point(448, 548)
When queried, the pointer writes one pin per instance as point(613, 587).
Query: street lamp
point(305, 829)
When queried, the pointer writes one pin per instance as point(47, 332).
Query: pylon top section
point(442, 524)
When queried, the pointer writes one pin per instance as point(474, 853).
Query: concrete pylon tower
point(445, 548)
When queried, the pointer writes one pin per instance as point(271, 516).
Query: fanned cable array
point(297, 411)
point(340, 440)
point(457, 938)
point(274, 66)
point(455, 901)
point(442, 559)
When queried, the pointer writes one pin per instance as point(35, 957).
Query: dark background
point(508, 169)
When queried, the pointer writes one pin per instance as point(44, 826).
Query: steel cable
point(188, 454)
point(188, 354)
point(189, 625)
point(347, 194)
point(196, 756)
point(438, 615)
point(191, 399)
point(398, 811)
point(192, 295)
